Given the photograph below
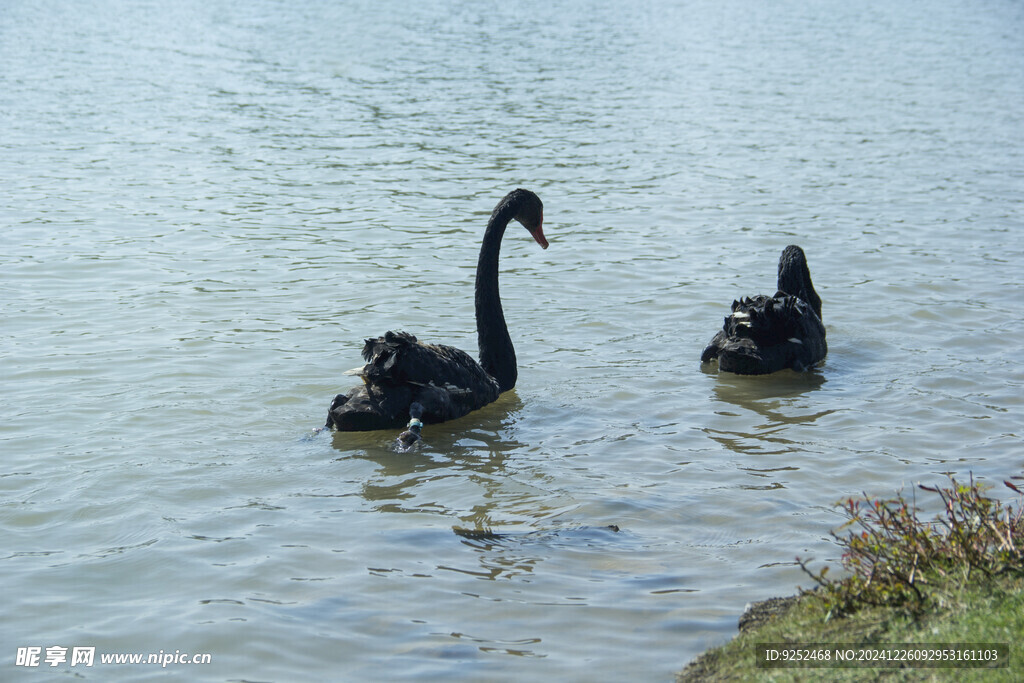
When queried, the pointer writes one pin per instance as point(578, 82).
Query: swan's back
point(770, 320)
point(399, 369)
point(398, 358)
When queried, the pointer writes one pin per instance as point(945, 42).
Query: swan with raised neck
point(444, 381)
point(497, 355)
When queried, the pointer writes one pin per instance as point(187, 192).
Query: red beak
point(538, 235)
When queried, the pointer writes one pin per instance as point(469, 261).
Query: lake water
point(208, 206)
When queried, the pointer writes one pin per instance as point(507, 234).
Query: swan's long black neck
point(497, 356)
point(795, 277)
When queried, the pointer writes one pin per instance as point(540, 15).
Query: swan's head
point(528, 209)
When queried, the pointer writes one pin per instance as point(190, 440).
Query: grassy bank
point(956, 579)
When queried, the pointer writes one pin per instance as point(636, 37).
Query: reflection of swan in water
point(508, 519)
point(775, 398)
point(757, 393)
point(474, 447)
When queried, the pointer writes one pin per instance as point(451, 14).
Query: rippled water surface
point(208, 205)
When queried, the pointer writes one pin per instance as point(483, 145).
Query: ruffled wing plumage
point(399, 370)
point(765, 334)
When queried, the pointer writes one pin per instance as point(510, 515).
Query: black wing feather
point(401, 370)
point(765, 334)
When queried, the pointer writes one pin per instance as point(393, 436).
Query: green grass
point(956, 579)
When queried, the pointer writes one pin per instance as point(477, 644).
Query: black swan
point(769, 333)
point(446, 382)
